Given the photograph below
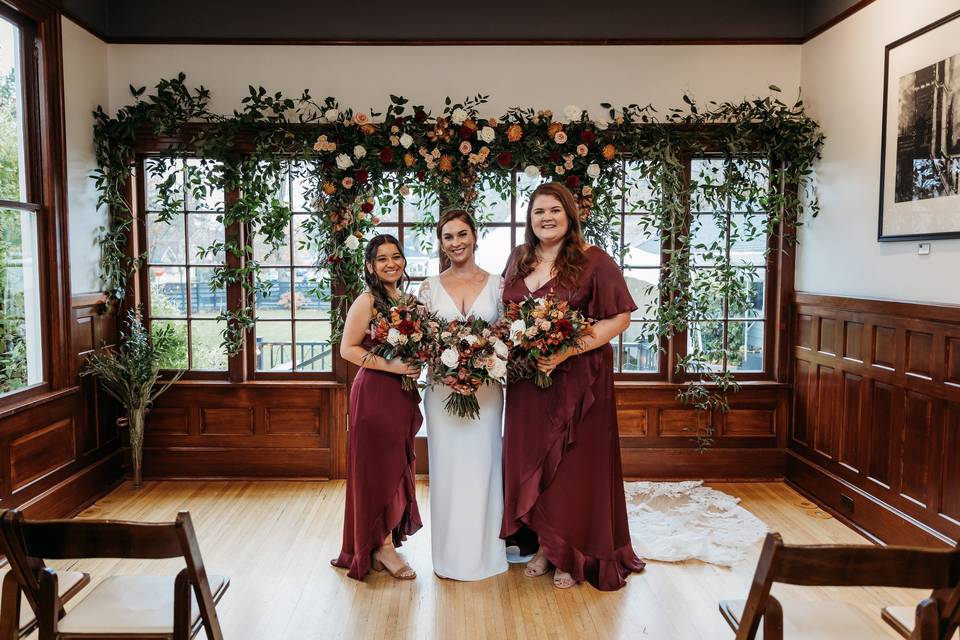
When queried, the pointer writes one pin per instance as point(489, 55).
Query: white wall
point(84, 87)
point(842, 80)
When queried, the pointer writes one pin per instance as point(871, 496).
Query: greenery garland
point(764, 151)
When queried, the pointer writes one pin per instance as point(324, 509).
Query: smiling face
point(388, 264)
point(457, 241)
point(548, 219)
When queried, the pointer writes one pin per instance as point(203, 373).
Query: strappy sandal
point(535, 570)
point(405, 572)
point(564, 581)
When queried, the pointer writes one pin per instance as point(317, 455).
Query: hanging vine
point(755, 180)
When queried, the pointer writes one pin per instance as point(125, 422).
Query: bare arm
point(355, 327)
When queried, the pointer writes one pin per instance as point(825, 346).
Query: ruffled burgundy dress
point(563, 482)
point(381, 475)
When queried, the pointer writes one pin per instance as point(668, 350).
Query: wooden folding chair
point(844, 566)
point(155, 607)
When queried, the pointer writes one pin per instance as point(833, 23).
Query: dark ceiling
point(492, 21)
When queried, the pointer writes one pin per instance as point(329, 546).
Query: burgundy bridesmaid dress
point(381, 476)
point(563, 481)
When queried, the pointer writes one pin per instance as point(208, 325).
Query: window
point(21, 318)
point(178, 275)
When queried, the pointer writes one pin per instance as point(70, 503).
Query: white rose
point(487, 134)
point(331, 115)
point(359, 152)
point(532, 171)
point(393, 336)
point(499, 369)
point(458, 116)
point(450, 357)
point(344, 161)
point(406, 140)
point(501, 349)
point(517, 327)
point(352, 243)
point(593, 170)
point(471, 340)
point(601, 124)
point(573, 112)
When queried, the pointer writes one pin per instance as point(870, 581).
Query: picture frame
point(920, 139)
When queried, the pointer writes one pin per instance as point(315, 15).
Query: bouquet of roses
point(471, 353)
point(408, 332)
point(542, 327)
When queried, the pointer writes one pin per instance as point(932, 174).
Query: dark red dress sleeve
point(609, 295)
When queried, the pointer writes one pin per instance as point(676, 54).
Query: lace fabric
point(677, 521)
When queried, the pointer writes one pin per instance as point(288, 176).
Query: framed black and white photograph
point(920, 143)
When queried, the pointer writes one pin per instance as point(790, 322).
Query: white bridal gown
point(466, 477)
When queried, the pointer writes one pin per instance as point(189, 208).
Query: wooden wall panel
point(41, 451)
point(881, 419)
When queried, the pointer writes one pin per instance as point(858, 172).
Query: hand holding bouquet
point(407, 332)
point(470, 353)
point(543, 327)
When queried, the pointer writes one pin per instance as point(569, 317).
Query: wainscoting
point(61, 450)
point(876, 415)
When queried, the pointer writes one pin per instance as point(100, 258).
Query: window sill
point(31, 398)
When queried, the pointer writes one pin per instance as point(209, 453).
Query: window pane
point(21, 348)
point(204, 229)
point(494, 250)
point(274, 350)
point(314, 350)
point(747, 298)
point(310, 305)
point(422, 259)
point(640, 348)
point(165, 240)
point(207, 353)
point(176, 356)
point(163, 176)
point(707, 294)
point(643, 285)
point(749, 244)
point(746, 345)
point(525, 187)
point(496, 206)
point(386, 213)
point(414, 211)
point(274, 299)
point(705, 175)
point(168, 292)
point(300, 185)
point(519, 235)
point(304, 247)
point(708, 239)
point(13, 173)
point(270, 256)
point(642, 242)
point(705, 342)
point(638, 191)
point(202, 194)
point(204, 301)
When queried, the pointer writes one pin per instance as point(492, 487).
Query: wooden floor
point(275, 540)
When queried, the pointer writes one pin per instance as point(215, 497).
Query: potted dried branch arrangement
point(130, 374)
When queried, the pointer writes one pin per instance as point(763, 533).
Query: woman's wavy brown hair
point(456, 214)
point(572, 257)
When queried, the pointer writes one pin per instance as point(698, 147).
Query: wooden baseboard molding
point(713, 465)
point(74, 494)
point(234, 462)
point(859, 510)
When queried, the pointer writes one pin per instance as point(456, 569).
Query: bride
point(466, 482)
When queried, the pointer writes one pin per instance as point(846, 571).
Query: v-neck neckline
point(538, 289)
point(454, 302)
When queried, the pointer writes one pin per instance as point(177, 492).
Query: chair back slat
point(61, 539)
point(840, 566)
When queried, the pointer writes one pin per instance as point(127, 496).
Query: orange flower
point(329, 188)
point(368, 129)
point(446, 163)
point(470, 123)
point(408, 159)
point(554, 129)
point(514, 133)
point(609, 152)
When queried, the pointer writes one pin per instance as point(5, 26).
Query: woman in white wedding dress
point(466, 478)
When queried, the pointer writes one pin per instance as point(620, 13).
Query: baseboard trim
point(871, 517)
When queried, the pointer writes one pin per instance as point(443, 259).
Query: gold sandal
point(405, 572)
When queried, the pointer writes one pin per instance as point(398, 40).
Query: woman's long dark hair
point(381, 299)
point(572, 257)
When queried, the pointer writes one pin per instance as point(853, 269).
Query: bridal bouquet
point(471, 353)
point(407, 332)
point(541, 327)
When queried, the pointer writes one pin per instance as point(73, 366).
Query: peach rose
point(361, 118)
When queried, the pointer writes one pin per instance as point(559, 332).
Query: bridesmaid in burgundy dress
point(563, 482)
point(381, 493)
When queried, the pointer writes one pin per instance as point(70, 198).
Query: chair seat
point(819, 621)
point(68, 581)
point(131, 605)
point(903, 618)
